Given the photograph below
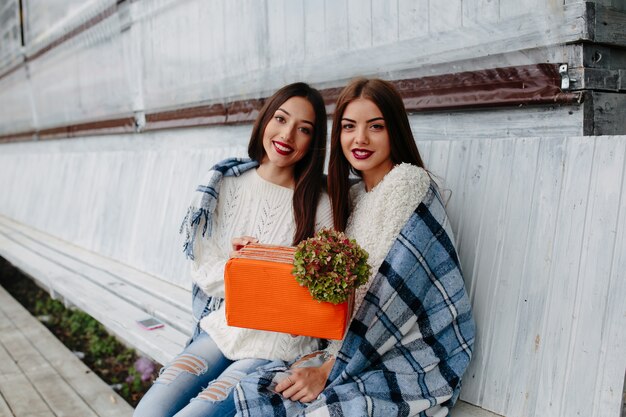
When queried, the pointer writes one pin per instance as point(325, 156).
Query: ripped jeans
point(198, 382)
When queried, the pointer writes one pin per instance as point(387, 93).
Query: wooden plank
point(469, 224)
point(359, 24)
point(384, 22)
point(22, 398)
point(526, 122)
point(55, 391)
point(314, 33)
point(239, 45)
point(5, 410)
point(480, 12)
point(445, 17)
point(294, 34)
point(413, 19)
point(89, 387)
point(486, 282)
point(564, 277)
point(596, 262)
point(609, 113)
point(335, 18)
point(438, 160)
point(536, 268)
point(490, 370)
point(8, 366)
point(596, 79)
point(610, 26)
point(612, 365)
point(457, 166)
point(106, 272)
point(118, 316)
point(513, 8)
point(276, 51)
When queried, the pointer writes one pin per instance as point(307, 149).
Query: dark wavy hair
point(308, 172)
point(402, 143)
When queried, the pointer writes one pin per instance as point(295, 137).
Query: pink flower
point(145, 367)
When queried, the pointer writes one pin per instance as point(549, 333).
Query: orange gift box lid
point(262, 294)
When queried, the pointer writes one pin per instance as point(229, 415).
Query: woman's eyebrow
point(367, 121)
point(289, 114)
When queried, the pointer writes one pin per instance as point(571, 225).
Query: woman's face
point(288, 134)
point(365, 140)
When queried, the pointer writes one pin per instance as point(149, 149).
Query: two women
point(412, 332)
point(274, 197)
point(411, 335)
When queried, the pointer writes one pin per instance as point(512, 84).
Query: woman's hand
point(239, 242)
point(305, 384)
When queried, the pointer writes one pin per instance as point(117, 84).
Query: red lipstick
point(361, 153)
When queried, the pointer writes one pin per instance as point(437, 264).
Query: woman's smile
point(362, 153)
point(282, 148)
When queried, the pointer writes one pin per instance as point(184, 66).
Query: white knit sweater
point(379, 215)
point(249, 206)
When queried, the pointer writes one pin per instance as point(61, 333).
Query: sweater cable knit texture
point(249, 206)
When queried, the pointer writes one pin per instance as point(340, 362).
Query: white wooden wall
point(540, 227)
point(162, 54)
point(539, 220)
point(123, 197)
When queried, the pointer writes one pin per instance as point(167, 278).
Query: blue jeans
point(199, 382)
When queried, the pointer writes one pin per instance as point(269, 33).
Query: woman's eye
point(305, 130)
point(378, 126)
point(279, 118)
point(347, 126)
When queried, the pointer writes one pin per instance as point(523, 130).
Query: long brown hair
point(308, 172)
point(403, 147)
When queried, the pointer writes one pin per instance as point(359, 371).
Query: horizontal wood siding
point(149, 56)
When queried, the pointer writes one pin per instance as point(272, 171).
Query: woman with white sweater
point(411, 334)
point(274, 197)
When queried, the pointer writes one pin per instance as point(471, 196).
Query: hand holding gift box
point(302, 290)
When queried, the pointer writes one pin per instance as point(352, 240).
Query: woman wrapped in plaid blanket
point(412, 332)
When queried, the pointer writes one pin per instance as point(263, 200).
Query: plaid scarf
point(200, 212)
point(204, 200)
point(409, 343)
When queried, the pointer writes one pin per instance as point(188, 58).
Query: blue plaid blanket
point(204, 200)
point(409, 343)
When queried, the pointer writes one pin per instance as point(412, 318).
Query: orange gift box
point(262, 294)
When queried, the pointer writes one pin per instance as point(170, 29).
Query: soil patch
point(126, 372)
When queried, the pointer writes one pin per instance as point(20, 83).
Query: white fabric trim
point(379, 215)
